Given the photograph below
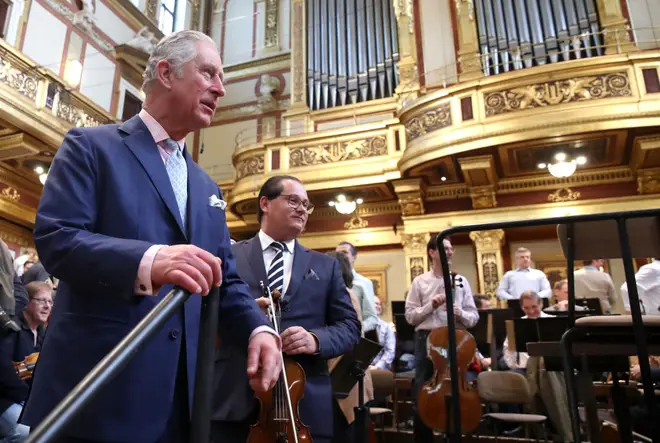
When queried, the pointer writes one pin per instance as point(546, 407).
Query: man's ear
point(263, 204)
point(164, 73)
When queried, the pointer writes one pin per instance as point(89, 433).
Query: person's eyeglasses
point(42, 301)
point(295, 202)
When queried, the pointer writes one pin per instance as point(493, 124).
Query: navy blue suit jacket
point(315, 299)
point(108, 198)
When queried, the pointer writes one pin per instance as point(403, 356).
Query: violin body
point(435, 396)
point(274, 425)
point(25, 367)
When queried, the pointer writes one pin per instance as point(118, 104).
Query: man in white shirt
point(591, 282)
point(363, 288)
point(387, 339)
point(426, 310)
point(531, 304)
point(648, 289)
point(523, 278)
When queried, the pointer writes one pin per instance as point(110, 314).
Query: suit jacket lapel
point(197, 203)
point(141, 143)
point(256, 260)
point(301, 259)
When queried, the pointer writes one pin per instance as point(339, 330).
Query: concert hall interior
point(403, 119)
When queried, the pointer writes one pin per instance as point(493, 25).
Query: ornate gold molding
point(338, 152)
point(414, 247)
point(252, 165)
point(563, 195)
point(411, 193)
point(195, 14)
point(487, 240)
point(299, 57)
point(648, 181)
point(552, 93)
point(488, 246)
point(10, 193)
point(271, 38)
point(469, 58)
point(432, 120)
point(615, 27)
point(12, 233)
point(483, 197)
point(619, 174)
point(151, 10)
point(408, 87)
point(415, 242)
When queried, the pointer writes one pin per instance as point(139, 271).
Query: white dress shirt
point(518, 281)
point(270, 253)
point(648, 289)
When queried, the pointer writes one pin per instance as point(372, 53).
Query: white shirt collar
point(266, 241)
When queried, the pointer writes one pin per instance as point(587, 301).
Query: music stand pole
point(361, 412)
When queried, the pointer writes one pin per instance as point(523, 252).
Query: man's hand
point(458, 312)
point(264, 362)
point(187, 266)
point(263, 303)
point(297, 340)
point(437, 300)
point(635, 373)
point(485, 362)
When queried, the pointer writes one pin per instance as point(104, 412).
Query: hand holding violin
point(263, 304)
point(264, 361)
point(297, 340)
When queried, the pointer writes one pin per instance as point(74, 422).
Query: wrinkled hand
point(437, 300)
point(264, 362)
point(263, 304)
point(297, 340)
point(485, 363)
point(635, 373)
point(187, 266)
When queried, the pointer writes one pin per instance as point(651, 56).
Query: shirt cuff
point(269, 330)
point(143, 284)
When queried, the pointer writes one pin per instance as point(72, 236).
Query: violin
point(434, 403)
point(25, 367)
point(279, 420)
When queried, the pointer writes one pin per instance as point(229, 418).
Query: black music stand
point(349, 371)
point(491, 322)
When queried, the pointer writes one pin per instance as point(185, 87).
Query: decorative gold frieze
point(411, 193)
point(469, 58)
point(488, 246)
point(564, 195)
point(253, 165)
point(22, 82)
point(152, 10)
point(557, 92)
point(432, 120)
point(298, 44)
point(338, 152)
point(615, 27)
point(487, 240)
point(10, 193)
point(417, 267)
point(356, 222)
point(648, 181)
point(411, 205)
point(75, 116)
point(483, 197)
point(408, 87)
point(621, 174)
point(271, 39)
point(415, 242)
point(446, 192)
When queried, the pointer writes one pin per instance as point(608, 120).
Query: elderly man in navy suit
point(125, 215)
point(318, 321)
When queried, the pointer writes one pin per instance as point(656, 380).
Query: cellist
point(318, 321)
point(426, 310)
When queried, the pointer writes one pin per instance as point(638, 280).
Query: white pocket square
point(216, 202)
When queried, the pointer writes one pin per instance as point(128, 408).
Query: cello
point(279, 420)
point(434, 403)
point(25, 367)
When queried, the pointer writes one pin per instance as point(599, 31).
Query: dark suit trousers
point(238, 431)
point(177, 429)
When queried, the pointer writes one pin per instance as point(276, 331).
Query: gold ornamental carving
point(648, 184)
point(483, 197)
point(18, 80)
point(404, 9)
point(356, 222)
point(10, 193)
point(415, 242)
point(558, 92)
point(489, 271)
point(253, 165)
point(152, 10)
point(271, 39)
point(298, 59)
point(338, 152)
point(564, 195)
point(469, 4)
point(487, 240)
point(416, 265)
point(432, 120)
point(195, 14)
point(411, 205)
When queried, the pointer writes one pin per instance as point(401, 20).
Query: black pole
point(208, 330)
point(570, 271)
point(455, 435)
point(108, 368)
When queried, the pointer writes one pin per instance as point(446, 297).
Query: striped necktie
point(276, 270)
point(177, 170)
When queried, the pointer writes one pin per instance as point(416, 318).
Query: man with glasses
point(318, 321)
point(14, 347)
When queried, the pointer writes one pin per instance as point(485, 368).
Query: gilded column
point(297, 116)
point(408, 88)
point(489, 260)
point(469, 58)
point(417, 260)
point(615, 27)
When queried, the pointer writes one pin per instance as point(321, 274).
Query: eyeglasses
point(42, 301)
point(295, 202)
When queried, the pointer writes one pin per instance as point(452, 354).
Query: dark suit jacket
point(317, 300)
point(108, 198)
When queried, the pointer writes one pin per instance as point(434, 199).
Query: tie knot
point(278, 246)
point(170, 145)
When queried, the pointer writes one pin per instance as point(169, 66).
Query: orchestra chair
point(384, 384)
point(610, 239)
point(504, 387)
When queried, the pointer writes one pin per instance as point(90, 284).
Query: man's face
point(196, 93)
point(531, 308)
point(379, 306)
point(524, 260)
point(562, 293)
point(346, 250)
point(287, 214)
point(484, 304)
point(435, 255)
point(39, 307)
point(598, 263)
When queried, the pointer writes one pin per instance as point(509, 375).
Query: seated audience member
point(531, 304)
point(15, 347)
point(560, 291)
point(477, 366)
point(387, 340)
point(482, 302)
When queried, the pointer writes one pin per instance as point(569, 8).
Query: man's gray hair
point(177, 48)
